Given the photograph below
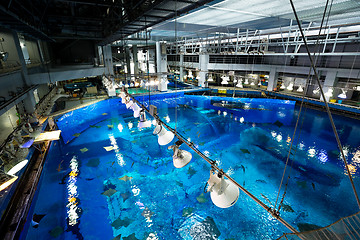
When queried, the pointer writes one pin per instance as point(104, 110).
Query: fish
point(301, 184)
point(201, 143)
point(89, 179)
point(76, 134)
point(59, 168)
point(94, 126)
point(180, 184)
point(113, 163)
point(278, 123)
point(197, 123)
point(64, 178)
point(266, 198)
point(118, 223)
point(132, 164)
point(83, 150)
point(36, 220)
point(260, 181)
point(131, 237)
point(125, 178)
point(147, 213)
point(307, 171)
point(287, 208)
point(187, 211)
point(94, 162)
point(109, 192)
point(56, 231)
point(303, 227)
point(191, 171)
point(104, 114)
point(244, 183)
point(244, 150)
point(313, 185)
point(109, 148)
point(243, 168)
point(201, 198)
point(110, 126)
point(125, 196)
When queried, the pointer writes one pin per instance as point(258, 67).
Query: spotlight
point(129, 103)
point(164, 136)
point(223, 193)
point(210, 79)
point(300, 89)
point(143, 122)
point(282, 86)
point(15, 166)
point(239, 83)
point(6, 180)
point(342, 94)
point(136, 110)
point(225, 80)
point(181, 157)
point(4, 56)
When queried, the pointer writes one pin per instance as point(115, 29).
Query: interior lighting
point(239, 83)
point(129, 104)
point(4, 56)
point(252, 84)
point(329, 93)
point(225, 80)
point(246, 81)
point(136, 110)
point(6, 180)
point(223, 193)
point(316, 91)
point(181, 157)
point(143, 122)
point(190, 75)
point(210, 79)
point(259, 84)
point(300, 89)
point(342, 94)
point(164, 136)
point(290, 87)
point(241, 119)
point(16, 166)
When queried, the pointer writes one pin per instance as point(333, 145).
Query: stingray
point(94, 162)
point(125, 196)
point(109, 192)
point(191, 171)
point(109, 148)
point(76, 134)
point(307, 227)
point(131, 237)
point(109, 185)
point(82, 150)
point(118, 223)
point(147, 213)
point(201, 198)
point(287, 208)
point(278, 123)
point(244, 150)
point(187, 211)
point(125, 178)
point(36, 220)
point(56, 231)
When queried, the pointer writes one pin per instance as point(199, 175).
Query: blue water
point(134, 190)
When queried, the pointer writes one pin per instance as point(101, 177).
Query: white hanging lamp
point(290, 87)
point(181, 157)
point(316, 91)
point(282, 85)
point(252, 83)
point(190, 75)
point(136, 110)
point(259, 83)
point(239, 83)
point(143, 123)
point(210, 79)
point(223, 192)
point(342, 94)
point(300, 89)
point(225, 80)
point(329, 92)
point(246, 81)
point(164, 136)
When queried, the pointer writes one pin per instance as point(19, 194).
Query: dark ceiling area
point(101, 20)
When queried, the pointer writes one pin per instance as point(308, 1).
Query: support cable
point(326, 104)
point(273, 212)
point(298, 119)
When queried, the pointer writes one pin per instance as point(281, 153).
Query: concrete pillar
point(182, 68)
point(24, 71)
point(161, 65)
point(108, 62)
point(29, 102)
point(128, 62)
point(135, 60)
point(330, 81)
point(203, 66)
point(38, 42)
point(273, 78)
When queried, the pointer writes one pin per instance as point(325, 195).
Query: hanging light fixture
point(290, 87)
point(259, 83)
point(329, 92)
point(282, 86)
point(190, 75)
point(4, 56)
point(15, 166)
point(164, 136)
point(6, 180)
point(181, 157)
point(239, 83)
point(316, 91)
point(143, 122)
point(136, 110)
point(223, 193)
point(300, 89)
point(225, 79)
point(252, 83)
point(342, 94)
point(210, 79)
point(246, 81)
